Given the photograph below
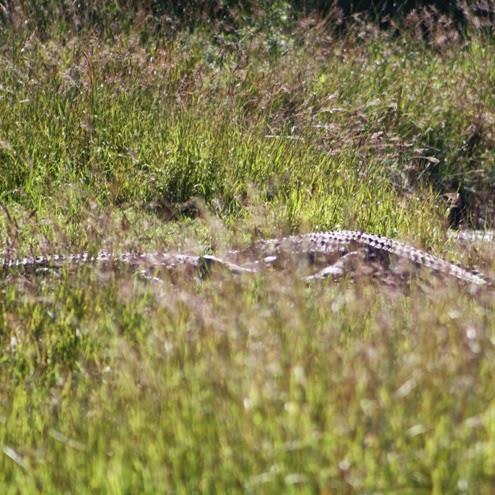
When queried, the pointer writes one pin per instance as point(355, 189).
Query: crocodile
point(338, 251)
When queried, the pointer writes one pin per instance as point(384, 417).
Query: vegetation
point(161, 127)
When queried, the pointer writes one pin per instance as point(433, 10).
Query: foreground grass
point(258, 385)
point(113, 384)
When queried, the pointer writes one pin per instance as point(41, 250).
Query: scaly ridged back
point(331, 243)
point(334, 241)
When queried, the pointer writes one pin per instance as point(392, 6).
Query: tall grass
point(126, 132)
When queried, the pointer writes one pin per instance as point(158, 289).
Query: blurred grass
point(246, 386)
point(132, 132)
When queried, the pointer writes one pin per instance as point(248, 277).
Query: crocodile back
point(331, 244)
point(343, 241)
